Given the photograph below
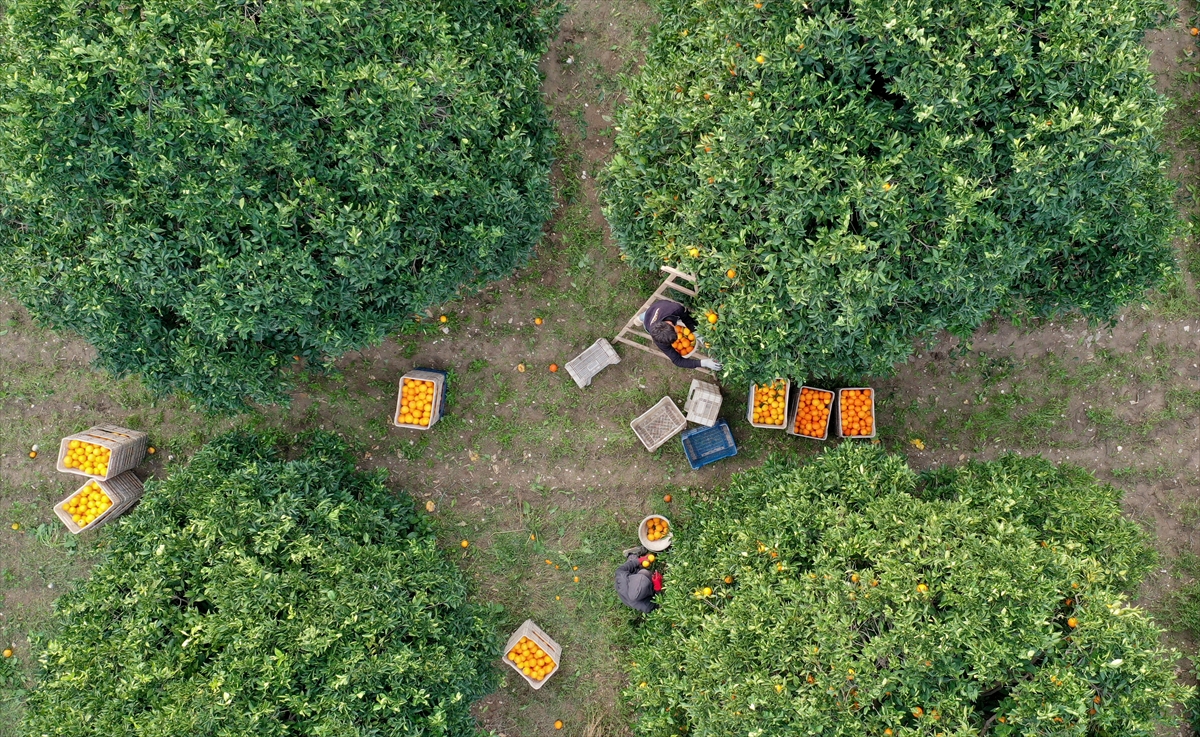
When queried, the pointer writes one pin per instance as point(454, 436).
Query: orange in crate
point(87, 505)
point(770, 402)
point(812, 413)
point(87, 457)
point(685, 340)
point(531, 659)
point(857, 413)
point(416, 402)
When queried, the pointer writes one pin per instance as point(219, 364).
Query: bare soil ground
point(532, 469)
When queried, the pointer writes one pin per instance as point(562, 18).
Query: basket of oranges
point(685, 340)
point(421, 400)
point(811, 413)
point(102, 452)
point(96, 502)
point(769, 404)
point(655, 533)
point(532, 653)
point(856, 413)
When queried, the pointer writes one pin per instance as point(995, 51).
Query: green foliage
point(205, 189)
point(861, 592)
point(889, 170)
point(253, 595)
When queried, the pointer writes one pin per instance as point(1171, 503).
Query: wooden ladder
point(634, 332)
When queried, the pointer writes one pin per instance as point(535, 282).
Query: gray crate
point(703, 403)
point(598, 356)
point(794, 407)
point(659, 424)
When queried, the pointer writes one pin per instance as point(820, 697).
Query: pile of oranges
point(812, 412)
point(685, 340)
point(531, 659)
point(858, 412)
point(88, 504)
point(416, 402)
point(87, 457)
point(657, 528)
point(770, 403)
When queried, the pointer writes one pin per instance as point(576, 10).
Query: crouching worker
point(636, 586)
point(664, 321)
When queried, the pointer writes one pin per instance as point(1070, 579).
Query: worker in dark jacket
point(636, 586)
point(660, 321)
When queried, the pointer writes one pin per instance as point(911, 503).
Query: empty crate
point(706, 445)
point(597, 357)
point(659, 424)
point(703, 403)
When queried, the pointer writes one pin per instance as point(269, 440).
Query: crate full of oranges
point(856, 413)
point(685, 340)
point(811, 414)
point(102, 452)
point(532, 653)
point(97, 502)
point(420, 400)
point(769, 404)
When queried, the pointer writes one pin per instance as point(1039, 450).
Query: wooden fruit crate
point(126, 448)
point(439, 396)
point(874, 419)
point(787, 388)
point(544, 641)
point(124, 491)
point(794, 408)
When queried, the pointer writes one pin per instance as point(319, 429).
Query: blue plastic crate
point(705, 445)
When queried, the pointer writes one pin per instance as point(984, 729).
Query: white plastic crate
point(838, 413)
point(544, 641)
point(794, 407)
point(703, 403)
point(597, 357)
point(659, 424)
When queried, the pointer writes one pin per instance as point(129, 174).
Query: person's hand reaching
point(708, 363)
point(656, 579)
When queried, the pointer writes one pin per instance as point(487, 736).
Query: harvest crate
point(439, 396)
point(794, 407)
point(705, 445)
point(597, 357)
point(659, 424)
point(543, 640)
point(655, 546)
point(703, 403)
point(124, 491)
point(126, 448)
point(874, 421)
point(787, 388)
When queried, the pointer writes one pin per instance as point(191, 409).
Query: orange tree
point(850, 597)
point(848, 176)
point(204, 190)
point(267, 588)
